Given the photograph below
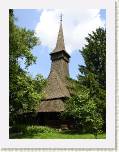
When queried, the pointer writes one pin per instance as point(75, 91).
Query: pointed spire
point(60, 39)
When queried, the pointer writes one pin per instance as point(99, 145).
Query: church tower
point(56, 89)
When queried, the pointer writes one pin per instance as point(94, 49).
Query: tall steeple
point(60, 39)
point(56, 89)
point(59, 56)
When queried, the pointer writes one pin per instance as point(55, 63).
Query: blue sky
point(31, 19)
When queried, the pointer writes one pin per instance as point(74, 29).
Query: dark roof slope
point(55, 88)
point(55, 105)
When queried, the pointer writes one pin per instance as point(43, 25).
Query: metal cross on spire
point(61, 17)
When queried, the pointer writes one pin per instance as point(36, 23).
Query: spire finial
point(61, 17)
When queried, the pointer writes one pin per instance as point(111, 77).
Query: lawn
point(41, 132)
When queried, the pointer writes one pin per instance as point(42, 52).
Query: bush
point(39, 129)
point(30, 130)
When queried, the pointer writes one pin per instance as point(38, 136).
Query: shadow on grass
point(20, 135)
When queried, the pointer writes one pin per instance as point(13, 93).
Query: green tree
point(83, 109)
point(94, 54)
point(87, 104)
point(93, 74)
point(25, 91)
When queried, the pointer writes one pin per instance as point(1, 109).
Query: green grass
point(41, 132)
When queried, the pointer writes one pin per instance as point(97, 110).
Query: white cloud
point(76, 26)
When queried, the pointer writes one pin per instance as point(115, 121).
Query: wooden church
point(56, 91)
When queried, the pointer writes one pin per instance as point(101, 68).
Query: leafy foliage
point(94, 72)
point(94, 54)
point(25, 91)
point(87, 104)
point(83, 109)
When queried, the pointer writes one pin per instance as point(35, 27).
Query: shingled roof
point(55, 105)
point(55, 87)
